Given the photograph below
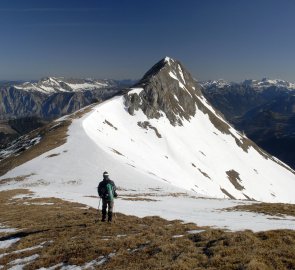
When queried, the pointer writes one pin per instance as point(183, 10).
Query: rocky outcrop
point(166, 88)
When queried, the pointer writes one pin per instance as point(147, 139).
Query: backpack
point(110, 192)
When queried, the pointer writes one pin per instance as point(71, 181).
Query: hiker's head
point(105, 175)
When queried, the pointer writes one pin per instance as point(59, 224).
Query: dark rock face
point(17, 103)
point(167, 88)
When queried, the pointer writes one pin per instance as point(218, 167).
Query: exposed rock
point(234, 178)
point(167, 88)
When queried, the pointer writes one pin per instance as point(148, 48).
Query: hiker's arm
point(99, 190)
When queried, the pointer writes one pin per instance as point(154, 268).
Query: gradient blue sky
point(230, 39)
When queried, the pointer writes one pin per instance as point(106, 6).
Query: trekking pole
point(98, 209)
point(114, 211)
point(99, 204)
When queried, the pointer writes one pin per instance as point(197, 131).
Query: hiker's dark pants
point(107, 204)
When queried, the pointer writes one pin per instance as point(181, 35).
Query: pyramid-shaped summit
point(168, 88)
point(169, 68)
point(162, 133)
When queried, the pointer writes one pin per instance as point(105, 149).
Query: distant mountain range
point(52, 97)
point(255, 84)
point(264, 110)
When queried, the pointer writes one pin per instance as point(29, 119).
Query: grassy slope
point(137, 243)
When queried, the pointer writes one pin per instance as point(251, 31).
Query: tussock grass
point(273, 209)
point(70, 235)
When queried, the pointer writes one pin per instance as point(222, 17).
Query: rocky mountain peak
point(167, 88)
point(170, 69)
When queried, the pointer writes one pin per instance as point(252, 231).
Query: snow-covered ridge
point(214, 83)
point(256, 84)
point(265, 83)
point(51, 85)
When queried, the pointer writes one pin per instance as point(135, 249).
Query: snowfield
point(172, 172)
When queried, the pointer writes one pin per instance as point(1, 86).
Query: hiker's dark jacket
point(102, 188)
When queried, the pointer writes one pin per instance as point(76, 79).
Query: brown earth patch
point(272, 209)
point(146, 125)
point(202, 153)
point(21, 178)
point(117, 152)
point(205, 174)
point(70, 235)
point(248, 198)
point(139, 199)
point(227, 194)
point(53, 155)
point(234, 178)
point(110, 124)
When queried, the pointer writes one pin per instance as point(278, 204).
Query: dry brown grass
point(247, 250)
point(139, 199)
point(273, 209)
point(14, 179)
point(137, 243)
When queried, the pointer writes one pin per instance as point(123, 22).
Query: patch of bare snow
point(195, 231)
point(8, 243)
point(21, 263)
point(177, 236)
point(5, 229)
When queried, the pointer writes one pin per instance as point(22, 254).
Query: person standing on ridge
point(107, 192)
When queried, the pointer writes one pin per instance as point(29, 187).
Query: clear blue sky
point(230, 39)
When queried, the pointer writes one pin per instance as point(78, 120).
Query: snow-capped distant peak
point(266, 82)
point(50, 85)
point(214, 83)
point(255, 84)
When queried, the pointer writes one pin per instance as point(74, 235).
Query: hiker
point(107, 192)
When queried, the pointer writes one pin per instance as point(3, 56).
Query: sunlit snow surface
point(158, 169)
